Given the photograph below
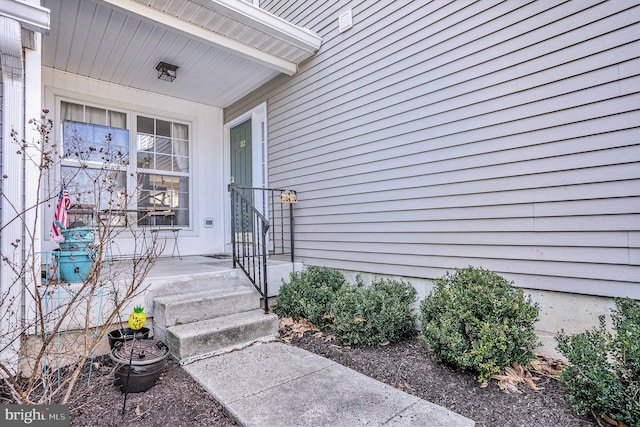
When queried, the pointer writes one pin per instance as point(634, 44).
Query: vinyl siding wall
point(436, 135)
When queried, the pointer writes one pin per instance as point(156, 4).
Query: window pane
point(102, 188)
point(96, 116)
point(72, 112)
point(180, 147)
point(154, 190)
point(181, 164)
point(180, 131)
point(163, 145)
point(145, 160)
point(117, 120)
point(119, 145)
point(144, 142)
point(145, 125)
point(163, 128)
point(88, 142)
point(163, 162)
point(165, 192)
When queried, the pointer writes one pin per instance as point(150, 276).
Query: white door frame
point(258, 116)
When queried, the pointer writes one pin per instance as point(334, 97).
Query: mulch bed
point(175, 400)
point(178, 400)
point(410, 366)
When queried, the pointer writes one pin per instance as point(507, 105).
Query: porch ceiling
point(224, 48)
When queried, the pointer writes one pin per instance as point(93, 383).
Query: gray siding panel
point(434, 135)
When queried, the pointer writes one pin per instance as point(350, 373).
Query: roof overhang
point(237, 13)
point(224, 48)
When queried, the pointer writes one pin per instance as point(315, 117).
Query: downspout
point(23, 237)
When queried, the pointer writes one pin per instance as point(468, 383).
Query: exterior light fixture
point(166, 71)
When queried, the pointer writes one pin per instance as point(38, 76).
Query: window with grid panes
point(95, 156)
point(162, 161)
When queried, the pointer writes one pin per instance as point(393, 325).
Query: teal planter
point(79, 234)
point(70, 245)
point(74, 267)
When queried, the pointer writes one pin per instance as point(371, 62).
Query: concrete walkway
point(275, 384)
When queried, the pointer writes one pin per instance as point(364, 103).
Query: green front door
point(241, 155)
point(241, 172)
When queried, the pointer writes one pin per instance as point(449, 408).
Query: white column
point(32, 195)
point(12, 182)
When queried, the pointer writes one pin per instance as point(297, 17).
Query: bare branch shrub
point(51, 329)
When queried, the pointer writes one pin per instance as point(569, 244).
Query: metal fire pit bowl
point(149, 359)
point(126, 334)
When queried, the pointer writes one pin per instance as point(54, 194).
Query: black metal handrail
point(253, 236)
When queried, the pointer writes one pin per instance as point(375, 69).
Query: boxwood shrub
point(476, 320)
point(604, 371)
point(309, 294)
point(378, 313)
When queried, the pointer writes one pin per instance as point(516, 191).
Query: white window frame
point(131, 125)
point(188, 174)
point(92, 165)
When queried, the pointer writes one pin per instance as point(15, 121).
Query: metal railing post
point(252, 257)
point(233, 224)
point(291, 232)
point(265, 230)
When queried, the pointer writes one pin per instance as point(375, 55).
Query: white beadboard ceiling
point(224, 48)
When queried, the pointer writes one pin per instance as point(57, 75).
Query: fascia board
point(30, 16)
point(264, 21)
point(175, 24)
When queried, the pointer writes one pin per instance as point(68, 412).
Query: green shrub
point(374, 314)
point(478, 321)
point(309, 294)
point(604, 371)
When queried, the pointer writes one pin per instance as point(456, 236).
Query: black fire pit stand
point(139, 364)
point(126, 386)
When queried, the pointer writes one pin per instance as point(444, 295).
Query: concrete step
point(194, 341)
point(199, 314)
point(224, 280)
point(176, 309)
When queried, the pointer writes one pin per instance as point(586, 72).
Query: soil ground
point(177, 400)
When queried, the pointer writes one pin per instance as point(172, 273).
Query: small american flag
point(60, 219)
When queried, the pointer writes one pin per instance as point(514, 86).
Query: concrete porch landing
point(189, 265)
point(169, 270)
point(198, 265)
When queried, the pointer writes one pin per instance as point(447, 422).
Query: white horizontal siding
point(434, 135)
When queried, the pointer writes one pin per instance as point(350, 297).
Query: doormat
point(219, 256)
